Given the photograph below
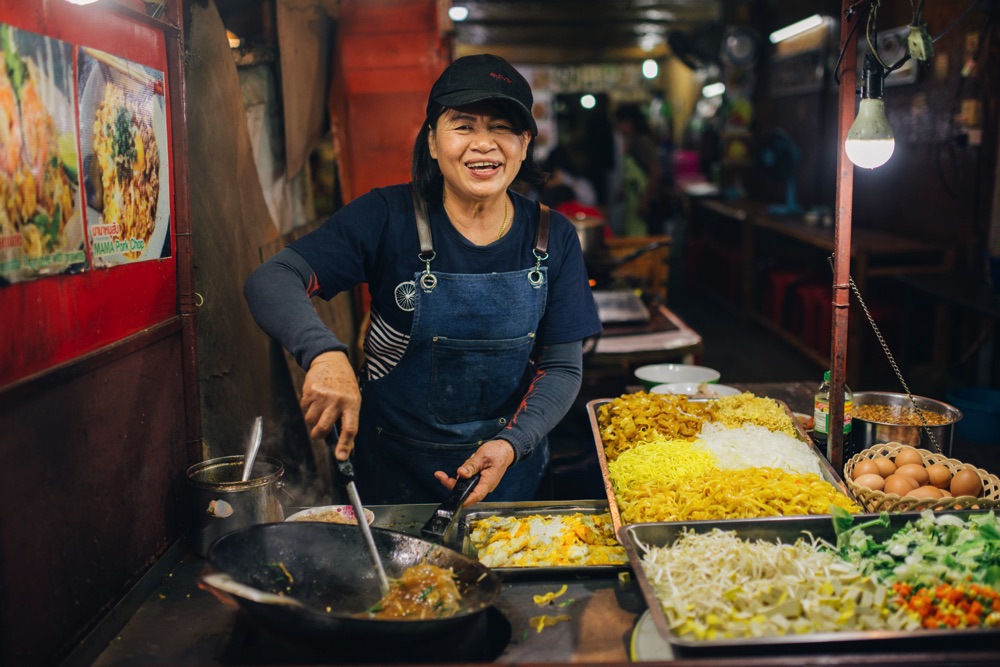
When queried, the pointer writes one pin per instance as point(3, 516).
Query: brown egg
point(939, 475)
point(899, 484)
point(914, 470)
point(864, 467)
point(908, 455)
point(966, 482)
point(925, 492)
point(871, 481)
point(885, 465)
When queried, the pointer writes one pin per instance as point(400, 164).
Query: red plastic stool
point(812, 314)
point(778, 285)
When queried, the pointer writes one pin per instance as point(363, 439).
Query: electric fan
point(778, 157)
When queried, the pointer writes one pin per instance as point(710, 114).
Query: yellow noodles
point(659, 461)
point(731, 494)
point(641, 417)
point(745, 408)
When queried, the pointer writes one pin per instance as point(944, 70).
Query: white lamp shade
point(870, 141)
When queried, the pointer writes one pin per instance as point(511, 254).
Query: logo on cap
point(501, 77)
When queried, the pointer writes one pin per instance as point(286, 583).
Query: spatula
point(346, 471)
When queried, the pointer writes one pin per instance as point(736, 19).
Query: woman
point(474, 349)
point(641, 172)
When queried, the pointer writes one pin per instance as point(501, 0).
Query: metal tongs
point(346, 471)
point(439, 523)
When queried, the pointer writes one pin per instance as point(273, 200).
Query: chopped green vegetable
point(843, 526)
point(930, 550)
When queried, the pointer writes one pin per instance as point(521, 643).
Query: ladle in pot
point(256, 433)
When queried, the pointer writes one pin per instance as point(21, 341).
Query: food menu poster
point(76, 195)
point(123, 145)
point(41, 229)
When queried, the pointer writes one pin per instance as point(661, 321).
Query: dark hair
point(558, 159)
point(426, 174)
point(632, 113)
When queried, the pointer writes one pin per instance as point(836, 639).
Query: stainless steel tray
point(460, 539)
point(826, 470)
point(787, 529)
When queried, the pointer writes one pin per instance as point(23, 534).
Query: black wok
point(327, 568)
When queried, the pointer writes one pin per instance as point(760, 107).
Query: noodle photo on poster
point(123, 141)
point(41, 231)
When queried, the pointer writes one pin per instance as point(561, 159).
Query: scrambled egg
point(547, 541)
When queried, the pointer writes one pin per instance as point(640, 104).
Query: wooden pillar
point(842, 232)
point(388, 54)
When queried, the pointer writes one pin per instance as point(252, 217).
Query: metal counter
point(180, 624)
point(176, 623)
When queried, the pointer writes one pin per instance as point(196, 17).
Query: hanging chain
point(892, 362)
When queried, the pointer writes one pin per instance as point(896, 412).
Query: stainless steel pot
point(866, 433)
point(590, 231)
point(223, 502)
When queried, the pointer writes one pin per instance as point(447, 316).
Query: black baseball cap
point(472, 79)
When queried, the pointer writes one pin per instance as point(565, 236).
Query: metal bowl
point(869, 433)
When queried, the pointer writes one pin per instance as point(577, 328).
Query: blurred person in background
point(641, 167)
point(564, 184)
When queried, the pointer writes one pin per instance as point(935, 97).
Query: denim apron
point(465, 370)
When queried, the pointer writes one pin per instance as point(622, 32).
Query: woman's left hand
point(491, 460)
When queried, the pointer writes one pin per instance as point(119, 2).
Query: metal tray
point(788, 529)
point(460, 541)
point(826, 470)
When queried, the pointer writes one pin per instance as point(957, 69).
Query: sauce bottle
point(821, 417)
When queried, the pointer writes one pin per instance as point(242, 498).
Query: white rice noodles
point(753, 446)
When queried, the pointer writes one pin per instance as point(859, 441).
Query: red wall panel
point(51, 320)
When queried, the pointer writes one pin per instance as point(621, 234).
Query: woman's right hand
point(330, 394)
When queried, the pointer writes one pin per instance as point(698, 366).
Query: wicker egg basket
point(877, 501)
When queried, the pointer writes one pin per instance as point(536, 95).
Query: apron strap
point(542, 237)
point(423, 222)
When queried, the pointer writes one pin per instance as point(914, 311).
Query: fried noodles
point(36, 184)
point(125, 147)
point(422, 592)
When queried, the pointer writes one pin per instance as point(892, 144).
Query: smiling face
point(478, 151)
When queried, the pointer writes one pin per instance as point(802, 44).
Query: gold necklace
point(506, 207)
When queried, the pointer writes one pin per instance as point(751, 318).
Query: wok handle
point(222, 584)
point(444, 515)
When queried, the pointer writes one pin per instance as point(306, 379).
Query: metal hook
point(535, 276)
point(428, 280)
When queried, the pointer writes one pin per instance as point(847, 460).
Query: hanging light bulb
point(870, 142)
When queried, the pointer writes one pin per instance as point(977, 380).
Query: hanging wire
point(954, 23)
point(871, 35)
point(892, 360)
point(848, 15)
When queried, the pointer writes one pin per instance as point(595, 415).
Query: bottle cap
point(826, 376)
